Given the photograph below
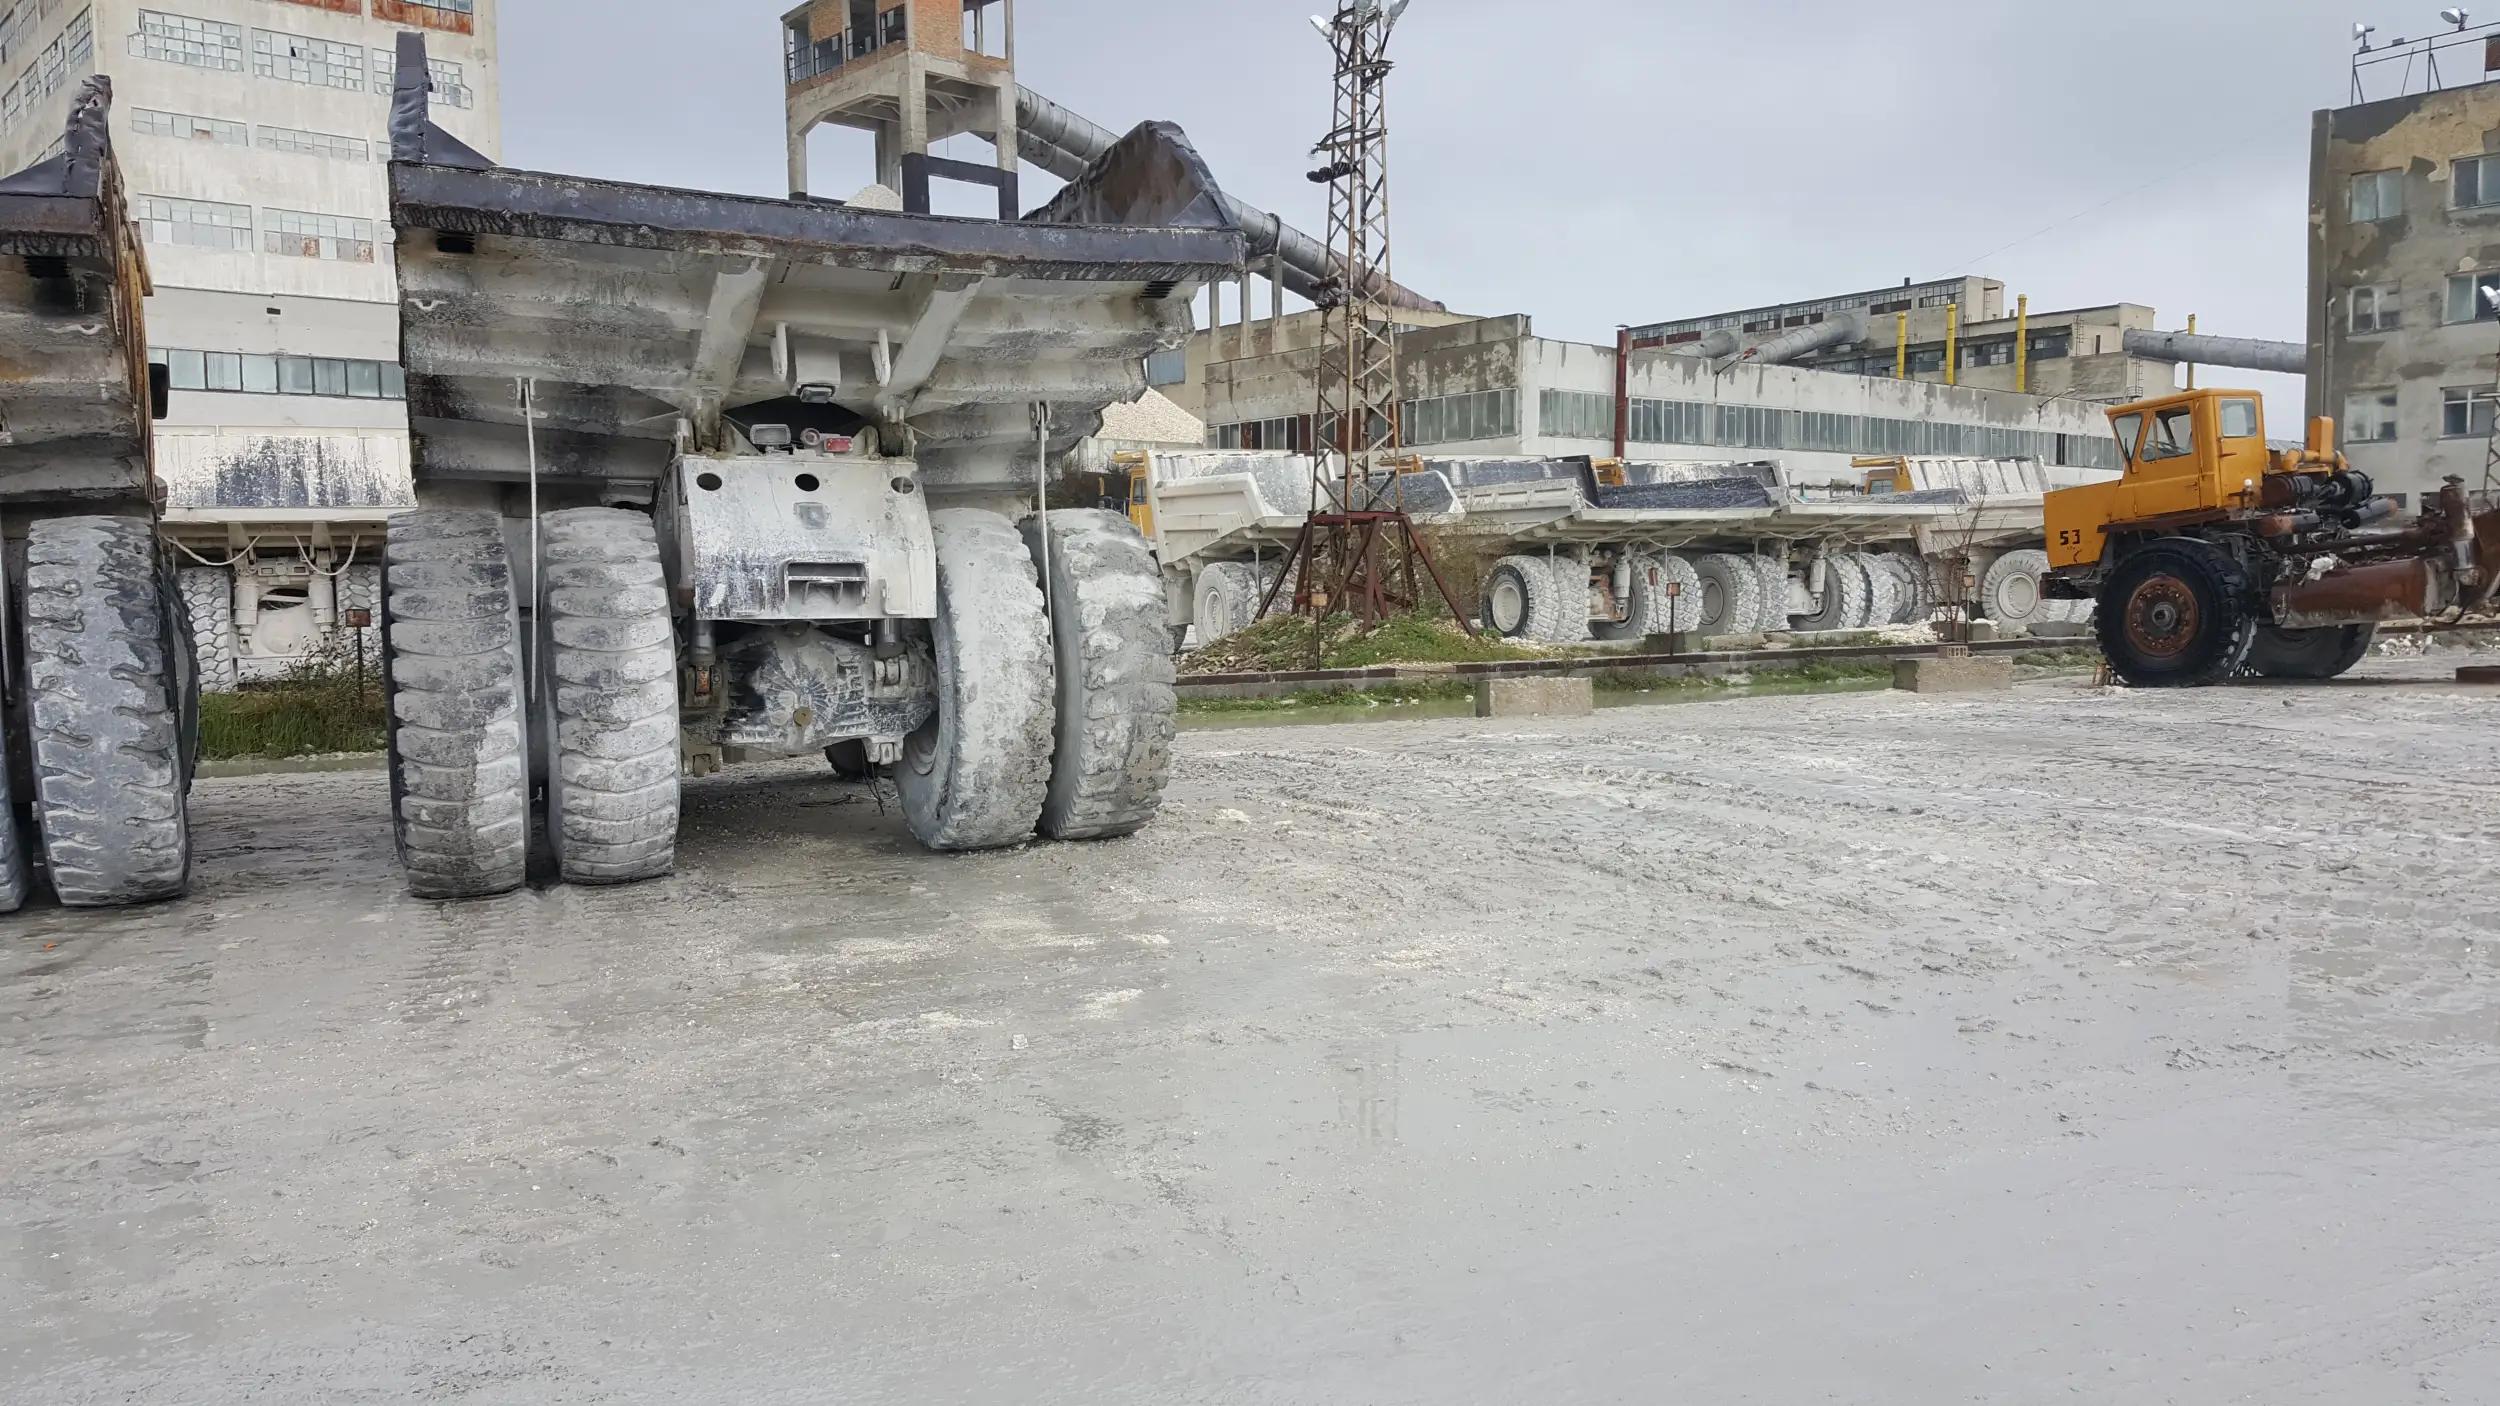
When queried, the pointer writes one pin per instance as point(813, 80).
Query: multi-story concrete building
point(1492, 386)
point(253, 145)
point(2404, 283)
point(1909, 332)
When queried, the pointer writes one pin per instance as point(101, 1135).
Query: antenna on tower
point(1358, 552)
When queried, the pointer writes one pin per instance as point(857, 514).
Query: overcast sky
point(1595, 162)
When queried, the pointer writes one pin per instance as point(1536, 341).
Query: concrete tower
point(913, 72)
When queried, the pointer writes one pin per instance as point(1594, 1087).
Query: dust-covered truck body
point(706, 479)
point(101, 701)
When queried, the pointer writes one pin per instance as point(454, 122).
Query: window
point(2370, 417)
point(1926, 360)
point(150, 123)
point(2377, 195)
point(2174, 434)
point(2240, 419)
point(297, 234)
point(256, 374)
point(203, 224)
point(2052, 346)
point(71, 54)
point(2472, 296)
point(2376, 309)
point(317, 62)
point(448, 82)
point(184, 40)
point(2474, 182)
point(1575, 415)
point(304, 143)
point(1167, 368)
point(1996, 352)
point(2465, 412)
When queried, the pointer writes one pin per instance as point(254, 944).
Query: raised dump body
point(761, 479)
point(101, 719)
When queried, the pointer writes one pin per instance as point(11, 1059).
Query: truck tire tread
point(453, 685)
point(1116, 711)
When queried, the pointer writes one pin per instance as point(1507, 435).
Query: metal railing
point(829, 54)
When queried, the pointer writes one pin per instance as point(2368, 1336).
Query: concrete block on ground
point(2486, 675)
point(1980, 632)
point(1965, 673)
point(1536, 698)
point(1681, 642)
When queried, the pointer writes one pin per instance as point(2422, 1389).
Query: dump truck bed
point(630, 308)
point(74, 400)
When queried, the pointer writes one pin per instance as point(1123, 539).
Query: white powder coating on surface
point(876, 197)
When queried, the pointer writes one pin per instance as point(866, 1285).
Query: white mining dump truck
point(102, 704)
point(1747, 551)
point(705, 479)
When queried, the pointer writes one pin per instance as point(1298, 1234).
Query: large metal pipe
point(1064, 144)
point(1837, 330)
point(2240, 353)
point(1712, 344)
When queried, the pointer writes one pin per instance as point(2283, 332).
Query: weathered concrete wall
point(2415, 252)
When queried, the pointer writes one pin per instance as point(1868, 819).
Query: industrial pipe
point(2242, 353)
point(1839, 330)
point(1064, 144)
point(1712, 344)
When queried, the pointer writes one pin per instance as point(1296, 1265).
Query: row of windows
point(210, 224)
point(70, 55)
point(2473, 184)
point(2379, 307)
point(255, 374)
point(289, 58)
point(2465, 412)
point(1931, 295)
point(1589, 415)
point(1928, 358)
point(216, 131)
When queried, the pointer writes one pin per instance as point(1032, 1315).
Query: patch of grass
point(318, 708)
point(1295, 642)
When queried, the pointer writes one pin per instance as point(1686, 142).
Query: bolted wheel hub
point(1510, 606)
point(2162, 617)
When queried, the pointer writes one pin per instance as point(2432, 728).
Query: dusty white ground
point(1869, 1048)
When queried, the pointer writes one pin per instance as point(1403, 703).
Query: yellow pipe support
point(1953, 343)
point(1901, 347)
point(2022, 344)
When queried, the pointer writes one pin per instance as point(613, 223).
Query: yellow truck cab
point(2189, 458)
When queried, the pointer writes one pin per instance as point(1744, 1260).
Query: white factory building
point(252, 136)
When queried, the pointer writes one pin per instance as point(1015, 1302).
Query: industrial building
point(2404, 283)
point(1492, 386)
point(1958, 331)
point(252, 141)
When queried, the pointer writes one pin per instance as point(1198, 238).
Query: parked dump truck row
point(700, 480)
point(1598, 550)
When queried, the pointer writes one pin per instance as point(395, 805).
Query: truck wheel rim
point(1510, 606)
point(2163, 619)
point(2022, 597)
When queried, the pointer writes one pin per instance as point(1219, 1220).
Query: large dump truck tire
point(2012, 592)
point(1883, 590)
point(1522, 600)
point(452, 680)
point(2174, 615)
point(608, 714)
point(1116, 711)
point(1654, 609)
point(1843, 600)
point(977, 774)
point(105, 709)
point(1730, 601)
point(1774, 577)
point(1905, 587)
point(208, 595)
point(1225, 600)
point(2327, 653)
point(1572, 621)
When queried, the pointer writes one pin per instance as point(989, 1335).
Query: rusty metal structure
point(1358, 551)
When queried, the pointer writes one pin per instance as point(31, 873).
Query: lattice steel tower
point(1358, 551)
